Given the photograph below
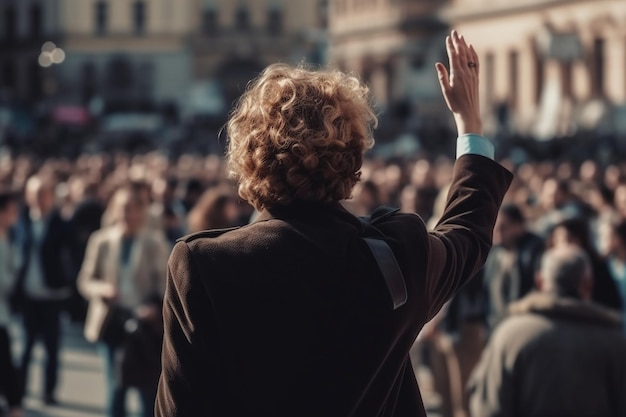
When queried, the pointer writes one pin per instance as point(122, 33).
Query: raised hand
point(460, 85)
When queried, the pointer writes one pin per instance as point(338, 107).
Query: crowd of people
point(92, 234)
point(288, 315)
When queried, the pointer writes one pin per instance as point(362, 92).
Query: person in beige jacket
point(123, 271)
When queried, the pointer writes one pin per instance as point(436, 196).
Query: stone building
point(551, 67)
point(118, 50)
point(233, 40)
point(392, 45)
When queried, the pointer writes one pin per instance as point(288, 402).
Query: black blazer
point(289, 316)
point(55, 253)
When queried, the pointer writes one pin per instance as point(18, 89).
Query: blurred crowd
point(91, 236)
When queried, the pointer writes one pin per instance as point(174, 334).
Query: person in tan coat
point(123, 277)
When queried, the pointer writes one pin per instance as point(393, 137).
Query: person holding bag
point(123, 277)
point(311, 311)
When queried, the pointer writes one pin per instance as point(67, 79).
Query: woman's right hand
point(460, 85)
point(110, 293)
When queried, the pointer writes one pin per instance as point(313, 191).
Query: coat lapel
point(115, 252)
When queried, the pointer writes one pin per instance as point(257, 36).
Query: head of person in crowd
point(164, 189)
point(193, 191)
point(367, 196)
point(39, 196)
point(418, 199)
point(555, 193)
point(299, 136)
point(617, 240)
point(573, 231)
point(589, 172)
point(600, 197)
point(566, 272)
point(84, 189)
point(510, 226)
point(128, 209)
point(216, 209)
point(142, 189)
point(9, 209)
point(620, 198)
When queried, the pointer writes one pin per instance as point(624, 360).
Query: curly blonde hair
point(299, 135)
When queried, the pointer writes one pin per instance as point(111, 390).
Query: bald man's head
point(566, 271)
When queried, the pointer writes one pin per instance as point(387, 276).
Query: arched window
point(274, 20)
point(242, 18)
point(210, 22)
point(100, 17)
point(36, 20)
point(139, 17)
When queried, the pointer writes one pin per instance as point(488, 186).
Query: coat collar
point(310, 212)
point(565, 307)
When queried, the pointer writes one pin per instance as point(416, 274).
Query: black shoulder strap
point(385, 259)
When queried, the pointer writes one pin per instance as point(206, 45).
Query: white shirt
point(128, 293)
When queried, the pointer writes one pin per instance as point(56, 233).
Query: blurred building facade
point(24, 26)
point(233, 40)
point(118, 50)
point(547, 67)
point(392, 45)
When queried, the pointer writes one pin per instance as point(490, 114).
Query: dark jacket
point(553, 357)
point(55, 253)
point(605, 291)
point(289, 316)
point(507, 281)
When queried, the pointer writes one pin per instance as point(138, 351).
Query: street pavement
point(81, 390)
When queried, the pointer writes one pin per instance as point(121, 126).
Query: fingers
point(474, 56)
point(452, 54)
point(442, 74)
point(460, 46)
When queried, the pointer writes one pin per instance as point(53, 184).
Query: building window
point(139, 17)
point(36, 20)
point(274, 21)
point(146, 83)
point(35, 81)
point(10, 17)
point(242, 18)
point(598, 67)
point(101, 17)
point(322, 16)
point(210, 22)
point(513, 78)
point(119, 74)
point(88, 81)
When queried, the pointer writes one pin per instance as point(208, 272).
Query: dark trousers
point(10, 385)
point(42, 319)
point(116, 392)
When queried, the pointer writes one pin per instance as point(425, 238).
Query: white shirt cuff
point(471, 143)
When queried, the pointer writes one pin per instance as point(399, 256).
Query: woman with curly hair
point(292, 315)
